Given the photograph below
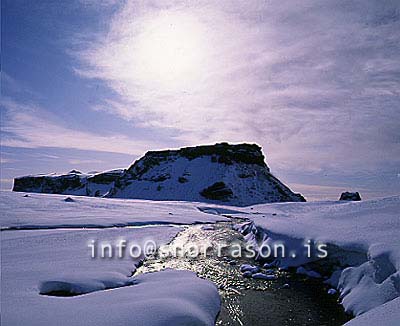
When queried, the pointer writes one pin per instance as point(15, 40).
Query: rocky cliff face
point(232, 174)
point(72, 183)
point(221, 173)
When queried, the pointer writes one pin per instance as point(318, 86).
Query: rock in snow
point(352, 196)
point(231, 174)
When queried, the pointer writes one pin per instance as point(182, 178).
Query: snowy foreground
point(46, 260)
point(44, 245)
point(363, 241)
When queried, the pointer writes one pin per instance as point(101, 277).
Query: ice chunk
point(332, 291)
point(249, 268)
point(309, 273)
point(262, 276)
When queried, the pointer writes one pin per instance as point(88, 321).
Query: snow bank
point(163, 298)
point(101, 291)
point(387, 314)
point(362, 238)
point(49, 261)
point(83, 283)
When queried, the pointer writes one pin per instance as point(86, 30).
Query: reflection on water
point(288, 300)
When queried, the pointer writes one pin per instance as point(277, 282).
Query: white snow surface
point(363, 235)
point(47, 260)
point(51, 211)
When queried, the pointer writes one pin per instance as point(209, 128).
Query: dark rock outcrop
point(54, 184)
point(217, 191)
point(350, 196)
point(72, 183)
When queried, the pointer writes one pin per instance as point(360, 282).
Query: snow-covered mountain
point(235, 174)
point(232, 174)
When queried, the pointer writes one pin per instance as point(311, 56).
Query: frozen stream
point(289, 300)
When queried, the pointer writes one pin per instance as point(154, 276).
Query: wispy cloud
point(43, 156)
point(81, 161)
point(4, 160)
point(98, 3)
point(317, 84)
point(9, 86)
point(28, 126)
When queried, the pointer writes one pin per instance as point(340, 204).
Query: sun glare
point(170, 50)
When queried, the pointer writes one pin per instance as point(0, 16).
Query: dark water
point(288, 300)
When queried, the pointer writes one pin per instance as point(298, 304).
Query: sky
point(92, 85)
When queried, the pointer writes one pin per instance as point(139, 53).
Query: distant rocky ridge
point(220, 173)
point(72, 183)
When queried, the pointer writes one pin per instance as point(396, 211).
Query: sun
point(170, 50)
